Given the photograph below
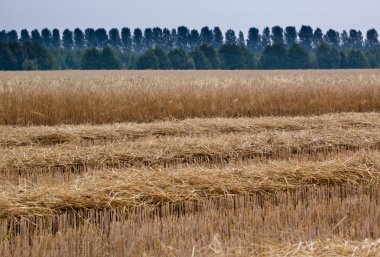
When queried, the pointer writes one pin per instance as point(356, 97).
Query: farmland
point(206, 163)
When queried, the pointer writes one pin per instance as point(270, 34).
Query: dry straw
point(139, 187)
point(159, 151)
point(101, 134)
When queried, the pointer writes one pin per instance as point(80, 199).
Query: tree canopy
point(187, 48)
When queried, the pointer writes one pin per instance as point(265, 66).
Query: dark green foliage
point(137, 40)
point(19, 53)
point(114, 38)
point(233, 57)
point(36, 37)
point(12, 36)
point(27, 56)
point(25, 37)
point(298, 57)
point(188, 39)
point(72, 60)
point(78, 38)
point(211, 55)
point(277, 35)
point(373, 57)
point(46, 37)
point(91, 60)
point(167, 40)
point(153, 59)
point(328, 57)
point(56, 40)
point(126, 39)
point(344, 39)
point(157, 37)
point(372, 38)
point(357, 60)
point(274, 57)
point(67, 39)
point(109, 60)
point(36, 57)
point(265, 38)
point(217, 37)
point(94, 59)
point(179, 60)
point(306, 36)
point(163, 60)
point(193, 39)
point(90, 38)
point(206, 36)
point(317, 37)
point(128, 59)
point(275, 48)
point(173, 39)
point(148, 39)
point(343, 60)
point(3, 36)
point(230, 37)
point(200, 60)
point(147, 60)
point(290, 35)
point(183, 34)
point(241, 40)
point(7, 59)
point(332, 38)
point(355, 39)
point(101, 37)
point(254, 40)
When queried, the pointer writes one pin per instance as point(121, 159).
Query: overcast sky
point(235, 14)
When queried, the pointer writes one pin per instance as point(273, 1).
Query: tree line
point(182, 37)
point(181, 48)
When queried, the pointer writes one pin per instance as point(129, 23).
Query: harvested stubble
point(228, 226)
point(109, 97)
point(166, 151)
point(101, 134)
point(322, 248)
point(150, 187)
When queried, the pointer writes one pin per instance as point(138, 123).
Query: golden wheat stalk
point(108, 97)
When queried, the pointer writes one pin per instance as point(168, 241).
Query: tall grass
point(108, 97)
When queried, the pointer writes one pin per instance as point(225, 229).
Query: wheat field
point(77, 97)
point(163, 163)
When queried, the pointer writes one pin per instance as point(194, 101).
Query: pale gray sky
point(235, 14)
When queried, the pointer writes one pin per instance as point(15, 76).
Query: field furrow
point(101, 134)
point(140, 187)
point(165, 151)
